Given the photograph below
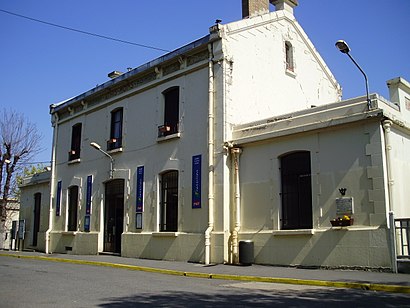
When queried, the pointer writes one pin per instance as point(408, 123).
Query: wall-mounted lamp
point(344, 48)
point(98, 147)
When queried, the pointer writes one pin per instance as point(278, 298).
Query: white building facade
point(183, 157)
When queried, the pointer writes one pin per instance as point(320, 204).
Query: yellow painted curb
point(320, 283)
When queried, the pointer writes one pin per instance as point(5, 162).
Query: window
point(115, 141)
point(169, 202)
point(171, 112)
point(296, 191)
point(74, 152)
point(290, 66)
point(72, 208)
point(36, 223)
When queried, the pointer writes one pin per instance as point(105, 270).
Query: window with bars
point(169, 202)
point(296, 192)
point(72, 208)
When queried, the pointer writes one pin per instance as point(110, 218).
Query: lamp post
point(344, 48)
point(98, 147)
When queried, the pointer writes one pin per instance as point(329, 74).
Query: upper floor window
point(115, 140)
point(296, 192)
point(72, 208)
point(74, 152)
point(290, 65)
point(171, 112)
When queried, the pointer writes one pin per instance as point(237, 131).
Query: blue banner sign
point(88, 198)
point(58, 198)
point(140, 189)
point(196, 181)
point(87, 219)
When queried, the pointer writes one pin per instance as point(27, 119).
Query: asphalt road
point(36, 283)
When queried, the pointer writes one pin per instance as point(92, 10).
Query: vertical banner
point(87, 218)
point(89, 192)
point(139, 206)
point(196, 181)
point(58, 199)
point(140, 189)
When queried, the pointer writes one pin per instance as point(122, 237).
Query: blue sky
point(42, 65)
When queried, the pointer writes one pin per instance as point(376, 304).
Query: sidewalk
point(375, 281)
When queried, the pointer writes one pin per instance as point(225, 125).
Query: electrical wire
point(84, 32)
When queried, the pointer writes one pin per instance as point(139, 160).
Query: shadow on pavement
point(257, 298)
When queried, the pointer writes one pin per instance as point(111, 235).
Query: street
point(37, 283)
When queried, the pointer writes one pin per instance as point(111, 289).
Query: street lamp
point(98, 147)
point(344, 48)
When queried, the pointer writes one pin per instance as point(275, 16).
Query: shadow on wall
point(174, 248)
point(307, 250)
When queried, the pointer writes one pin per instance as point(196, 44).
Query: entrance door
point(114, 215)
point(36, 223)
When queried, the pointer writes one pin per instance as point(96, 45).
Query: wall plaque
point(344, 206)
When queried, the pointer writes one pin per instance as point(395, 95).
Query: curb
point(320, 283)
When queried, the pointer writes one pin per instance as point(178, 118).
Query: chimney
point(286, 5)
point(251, 8)
point(114, 74)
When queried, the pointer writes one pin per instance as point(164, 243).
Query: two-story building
point(240, 135)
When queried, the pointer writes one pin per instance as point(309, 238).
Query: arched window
point(290, 66)
point(169, 201)
point(296, 192)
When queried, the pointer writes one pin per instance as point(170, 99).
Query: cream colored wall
point(343, 157)
point(353, 247)
point(181, 247)
point(258, 84)
point(142, 116)
point(27, 213)
point(400, 153)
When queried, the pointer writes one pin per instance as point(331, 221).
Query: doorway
point(114, 215)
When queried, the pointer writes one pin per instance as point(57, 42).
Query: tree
point(20, 141)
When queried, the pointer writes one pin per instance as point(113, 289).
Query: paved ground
point(376, 281)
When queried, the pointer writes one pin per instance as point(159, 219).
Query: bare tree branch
point(19, 142)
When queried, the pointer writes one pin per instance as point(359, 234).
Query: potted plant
point(343, 221)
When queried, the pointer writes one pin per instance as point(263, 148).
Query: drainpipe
point(390, 182)
point(52, 183)
point(237, 204)
point(211, 162)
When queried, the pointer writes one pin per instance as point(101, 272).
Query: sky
point(43, 65)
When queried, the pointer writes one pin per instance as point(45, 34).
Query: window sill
point(69, 232)
point(166, 234)
point(113, 151)
point(74, 161)
point(293, 232)
point(169, 137)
